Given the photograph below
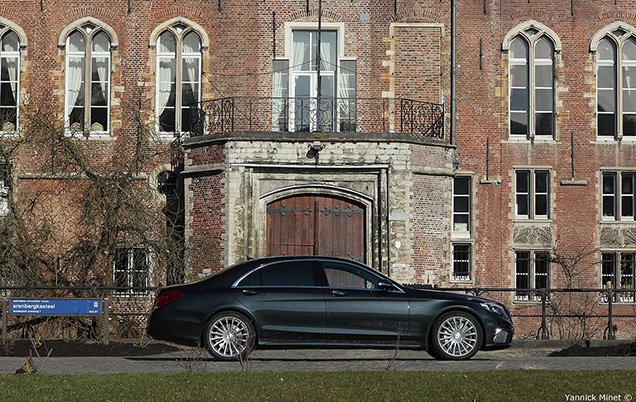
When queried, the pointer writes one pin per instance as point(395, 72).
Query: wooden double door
point(316, 225)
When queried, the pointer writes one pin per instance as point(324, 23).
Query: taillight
point(167, 297)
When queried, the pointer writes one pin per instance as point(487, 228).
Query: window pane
point(518, 48)
point(519, 100)
point(543, 100)
point(518, 123)
point(541, 270)
point(627, 195)
point(606, 101)
point(461, 185)
point(328, 51)
point(541, 182)
point(167, 43)
point(522, 276)
point(629, 50)
point(10, 42)
point(608, 264)
point(543, 76)
point(300, 56)
point(606, 125)
point(293, 273)
point(629, 125)
point(606, 77)
point(605, 50)
point(523, 182)
point(543, 124)
point(349, 276)
point(101, 43)
point(76, 43)
point(543, 49)
point(629, 101)
point(627, 273)
point(191, 43)
point(609, 193)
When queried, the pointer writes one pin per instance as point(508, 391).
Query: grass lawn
point(502, 385)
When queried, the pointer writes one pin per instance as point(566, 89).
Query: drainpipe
point(453, 70)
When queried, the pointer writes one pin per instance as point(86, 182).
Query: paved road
point(321, 360)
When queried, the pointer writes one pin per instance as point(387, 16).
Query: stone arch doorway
point(314, 224)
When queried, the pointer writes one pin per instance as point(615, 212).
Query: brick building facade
point(531, 183)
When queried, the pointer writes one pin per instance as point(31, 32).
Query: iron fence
point(132, 305)
point(307, 114)
point(601, 305)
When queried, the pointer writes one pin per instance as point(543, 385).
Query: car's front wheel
point(456, 335)
point(229, 336)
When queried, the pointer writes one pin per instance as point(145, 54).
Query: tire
point(229, 336)
point(456, 335)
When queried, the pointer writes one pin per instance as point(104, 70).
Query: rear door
point(286, 302)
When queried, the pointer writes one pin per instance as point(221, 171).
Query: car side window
point(341, 275)
point(288, 273)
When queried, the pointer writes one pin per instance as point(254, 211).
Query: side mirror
point(388, 286)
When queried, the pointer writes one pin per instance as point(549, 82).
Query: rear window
point(288, 273)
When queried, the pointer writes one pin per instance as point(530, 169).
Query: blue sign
point(56, 306)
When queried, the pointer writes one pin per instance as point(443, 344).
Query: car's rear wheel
point(229, 336)
point(456, 335)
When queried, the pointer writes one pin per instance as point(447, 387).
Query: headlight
point(494, 308)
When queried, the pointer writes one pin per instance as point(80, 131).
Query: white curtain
point(101, 46)
point(192, 47)
point(76, 48)
point(280, 93)
point(166, 49)
point(166, 72)
point(327, 54)
point(11, 44)
point(301, 51)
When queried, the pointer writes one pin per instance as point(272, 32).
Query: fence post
point(544, 330)
point(610, 313)
point(4, 320)
point(106, 319)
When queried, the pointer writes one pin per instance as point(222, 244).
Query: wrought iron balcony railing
point(303, 114)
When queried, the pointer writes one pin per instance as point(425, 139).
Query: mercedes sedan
point(314, 302)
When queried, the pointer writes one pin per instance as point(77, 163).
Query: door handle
point(338, 293)
point(249, 292)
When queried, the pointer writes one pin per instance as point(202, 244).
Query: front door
point(316, 225)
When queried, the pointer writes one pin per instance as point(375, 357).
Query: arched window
point(531, 83)
point(178, 79)
point(88, 71)
point(616, 85)
point(9, 80)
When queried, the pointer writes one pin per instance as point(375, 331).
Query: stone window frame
point(532, 194)
point(618, 33)
point(532, 274)
point(129, 270)
point(531, 31)
point(462, 278)
point(6, 26)
point(283, 70)
point(462, 234)
point(89, 27)
point(179, 27)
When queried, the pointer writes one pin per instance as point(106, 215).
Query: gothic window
point(88, 80)
point(179, 53)
point(9, 80)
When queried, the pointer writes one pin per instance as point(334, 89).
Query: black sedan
point(323, 302)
